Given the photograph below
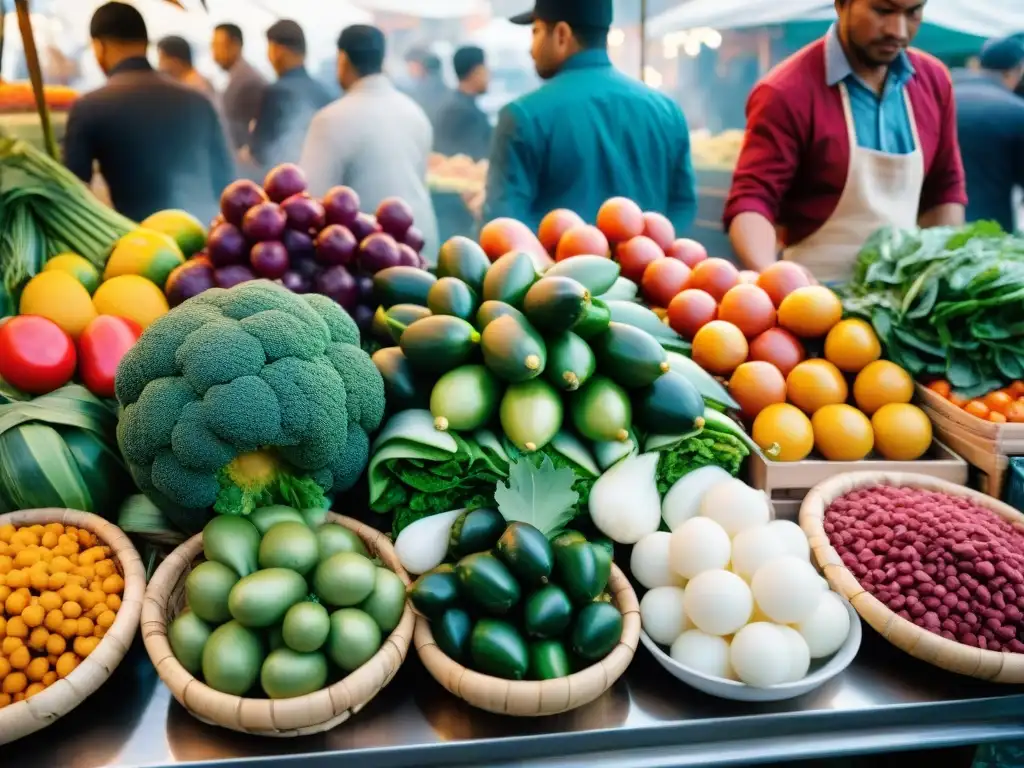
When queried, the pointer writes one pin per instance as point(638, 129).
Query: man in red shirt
point(851, 134)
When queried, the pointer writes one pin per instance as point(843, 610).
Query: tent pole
point(643, 40)
point(35, 74)
point(3, 32)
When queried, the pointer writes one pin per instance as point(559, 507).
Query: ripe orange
point(977, 408)
point(636, 255)
point(781, 279)
point(756, 385)
point(1017, 389)
point(719, 347)
point(941, 387)
point(811, 311)
point(659, 229)
point(554, 225)
point(778, 347)
point(581, 240)
point(620, 219)
point(749, 308)
point(813, 384)
point(842, 433)
point(998, 401)
point(997, 418)
point(903, 432)
point(1015, 413)
point(880, 383)
point(783, 432)
point(851, 345)
point(716, 276)
point(690, 311)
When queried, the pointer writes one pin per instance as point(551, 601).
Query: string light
point(690, 41)
point(616, 37)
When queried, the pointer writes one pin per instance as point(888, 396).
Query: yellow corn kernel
point(99, 631)
point(38, 638)
point(114, 602)
point(85, 645)
point(7, 532)
point(106, 619)
point(105, 568)
point(21, 657)
point(66, 664)
point(56, 645)
point(57, 581)
point(72, 610)
point(5, 700)
point(33, 616)
point(3, 627)
point(17, 579)
point(5, 592)
point(49, 540)
point(33, 689)
point(6, 563)
point(15, 683)
point(26, 558)
point(9, 645)
point(72, 593)
point(53, 620)
point(36, 669)
point(16, 628)
point(15, 604)
point(85, 627)
point(50, 600)
point(5, 668)
point(68, 628)
point(49, 678)
point(39, 579)
point(113, 585)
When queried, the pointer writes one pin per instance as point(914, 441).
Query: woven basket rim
point(623, 597)
point(993, 666)
point(296, 715)
point(25, 717)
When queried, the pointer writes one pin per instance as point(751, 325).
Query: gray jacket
point(376, 140)
point(241, 100)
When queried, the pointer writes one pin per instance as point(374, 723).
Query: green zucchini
point(630, 356)
point(596, 273)
point(451, 296)
point(452, 632)
point(388, 323)
point(577, 571)
point(436, 592)
point(404, 387)
point(639, 316)
point(531, 414)
point(485, 580)
point(601, 410)
point(547, 613)
point(594, 321)
point(706, 384)
point(439, 343)
point(509, 278)
point(527, 553)
point(498, 649)
point(671, 405)
point(513, 349)
point(548, 658)
point(603, 554)
point(597, 630)
point(555, 304)
point(463, 258)
point(571, 361)
point(465, 399)
point(491, 310)
point(402, 285)
point(475, 531)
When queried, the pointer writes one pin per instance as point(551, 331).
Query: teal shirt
point(589, 134)
point(882, 121)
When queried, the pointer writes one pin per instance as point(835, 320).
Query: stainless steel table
point(886, 701)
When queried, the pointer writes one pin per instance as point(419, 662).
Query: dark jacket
point(241, 100)
point(462, 128)
point(591, 133)
point(285, 114)
point(990, 121)
point(159, 144)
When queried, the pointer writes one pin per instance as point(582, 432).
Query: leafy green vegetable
point(584, 479)
point(945, 302)
point(538, 493)
point(709, 447)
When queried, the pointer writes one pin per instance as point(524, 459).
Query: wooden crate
point(788, 482)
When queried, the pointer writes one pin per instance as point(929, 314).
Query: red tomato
point(101, 346)
point(36, 355)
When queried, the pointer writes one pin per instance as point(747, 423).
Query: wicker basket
point(929, 647)
point(299, 716)
point(25, 717)
point(526, 698)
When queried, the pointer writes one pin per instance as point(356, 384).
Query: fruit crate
point(986, 446)
point(788, 482)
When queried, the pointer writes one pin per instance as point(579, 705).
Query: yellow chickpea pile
point(59, 594)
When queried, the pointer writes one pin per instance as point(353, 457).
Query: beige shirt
point(376, 140)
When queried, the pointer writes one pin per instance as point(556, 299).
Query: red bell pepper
point(100, 348)
point(36, 355)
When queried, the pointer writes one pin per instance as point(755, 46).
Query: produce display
point(516, 606)
point(245, 397)
point(946, 303)
point(279, 232)
point(1000, 406)
point(60, 591)
point(283, 605)
point(718, 151)
point(732, 593)
point(459, 173)
point(945, 563)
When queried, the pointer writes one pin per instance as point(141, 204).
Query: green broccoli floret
point(246, 397)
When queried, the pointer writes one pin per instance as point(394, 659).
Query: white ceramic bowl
point(821, 671)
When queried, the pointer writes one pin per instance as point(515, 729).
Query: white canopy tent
point(989, 19)
point(430, 9)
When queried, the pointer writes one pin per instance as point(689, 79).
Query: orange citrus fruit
point(842, 433)
point(783, 432)
point(880, 383)
point(814, 384)
point(810, 311)
point(756, 385)
point(903, 432)
point(999, 401)
point(851, 345)
point(719, 347)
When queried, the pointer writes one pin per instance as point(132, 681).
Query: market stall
point(584, 491)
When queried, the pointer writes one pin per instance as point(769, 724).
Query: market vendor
point(851, 134)
point(590, 133)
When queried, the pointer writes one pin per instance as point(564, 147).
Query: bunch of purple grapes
point(280, 232)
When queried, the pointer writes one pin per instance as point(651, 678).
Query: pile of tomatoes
point(1001, 406)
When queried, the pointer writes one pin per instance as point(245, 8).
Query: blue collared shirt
point(882, 121)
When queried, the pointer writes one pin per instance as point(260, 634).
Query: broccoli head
point(246, 397)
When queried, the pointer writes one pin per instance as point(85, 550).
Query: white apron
point(881, 189)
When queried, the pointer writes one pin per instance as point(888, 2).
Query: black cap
point(1003, 54)
point(288, 34)
point(466, 59)
point(595, 14)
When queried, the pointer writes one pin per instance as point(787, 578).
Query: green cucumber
point(706, 384)
point(451, 296)
point(639, 316)
point(623, 290)
point(527, 553)
point(596, 273)
point(548, 658)
point(404, 387)
point(439, 343)
point(436, 592)
point(630, 356)
point(571, 361)
point(603, 554)
point(475, 531)
point(671, 405)
point(577, 571)
point(513, 349)
point(531, 414)
point(486, 581)
point(598, 629)
point(402, 285)
point(498, 649)
point(452, 632)
point(463, 258)
point(547, 612)
point(491, 310)
point(388, 324)
point(555, 304)
point(601, 410)
point(465, 399)
point(594, 321)
point(509, 278)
